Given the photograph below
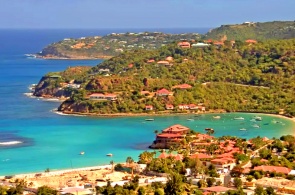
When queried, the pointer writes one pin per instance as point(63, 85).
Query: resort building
point(170, 136)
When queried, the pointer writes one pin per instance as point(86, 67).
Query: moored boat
point(216, 117)
point(256, 126)
point(238, 118)
point(243, 129)
point(82, 153)
point(109, 154)
point(149, 119)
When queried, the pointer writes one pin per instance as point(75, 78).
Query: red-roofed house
point(182, 86)
point(218, 43)
point(162, 62)
point(184, 44)
point(276, 169)
point(169, 107)
point(130, 65)
point(193, 107)
point(222, 163)
point(169, 58)
point(216, 189)
point(251, 41)
point(164, 155)
point(111, 97)
point(149, 107)
point(201, 156)
point(150, 61)
point(97, 96)
point(202, 108)
point(164, 92)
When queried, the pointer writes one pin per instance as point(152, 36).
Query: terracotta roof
point(148, 106)
point(150, 61)
point(162, 62)
point(217, 189)
point(251, 41)
point(176, 156)
point(200, 156)
point(176, 128)
point(97, 94)
point(110, 95)
point(164, 91)
point(277, 169)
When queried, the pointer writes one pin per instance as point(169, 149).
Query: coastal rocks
point(46, 88)
point(94, 84)
point(69, 106)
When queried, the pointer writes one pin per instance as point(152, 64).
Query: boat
point(243, 129)
point(216, 117)
point(257, 118)
point(149, 119)
point(109, 154)
point(238, 118)
point(256, 126)
point(208, 129)
point(190, 119)
point(82, 153)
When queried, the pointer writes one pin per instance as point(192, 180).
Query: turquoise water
point(55, 141)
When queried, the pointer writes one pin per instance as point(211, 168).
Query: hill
point(260, 31)
point(243, 77)
point(110, 45)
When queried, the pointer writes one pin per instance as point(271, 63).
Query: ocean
point(45, 139)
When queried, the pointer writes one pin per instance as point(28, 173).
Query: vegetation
point(259, 31)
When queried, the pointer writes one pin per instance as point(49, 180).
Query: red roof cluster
point(276, 169)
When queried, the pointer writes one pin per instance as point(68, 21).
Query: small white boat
point(256, 126)
point(239, 118)
point(109, 154)
point(82, 153)
point(243, 129)
point(190, 119)
point(216, 117)
point(258, 118)
point(149, 119)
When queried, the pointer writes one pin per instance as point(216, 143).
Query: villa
point(149, 107)
point(184, 44)
point(164, 92)
point(100, 96)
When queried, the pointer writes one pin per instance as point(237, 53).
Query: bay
point(49, 140)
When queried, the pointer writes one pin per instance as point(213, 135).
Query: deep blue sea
point(54, 141)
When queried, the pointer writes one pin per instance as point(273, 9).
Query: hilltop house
point(164, 92)
point(182, 86)
point(100, 96)
point(184, 44)
point(149, 107)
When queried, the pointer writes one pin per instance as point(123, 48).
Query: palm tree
point(112, 163)
point(146, 157)
point(129, 162)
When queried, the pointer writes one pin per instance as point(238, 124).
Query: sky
point(97, 14)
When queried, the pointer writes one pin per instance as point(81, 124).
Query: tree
point(129, 162)
point(202, 183)
point(112, 163)
point(174, 185)
point(210, 181)
point(238, 182)
point(146, 157)
point(259, 191)
point(141, 191)
point(45, 190)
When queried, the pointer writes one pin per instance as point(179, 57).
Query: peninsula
point(181, 77)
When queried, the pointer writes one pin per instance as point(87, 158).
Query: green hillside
point(253, 78)
point(259, 31)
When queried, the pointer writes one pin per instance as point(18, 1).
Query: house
point(100, 96)
point(151, 61)
point(183, 106)
point(200, 45)
point(97, 96)
point(218, 43)
point(169, 58)
point(164, 63)
point(130, 65)
point(251, 41)
point(200, 156)
point(149, 107)
point(164, 155)
point(224, 163)
point(193, 107)
point(182, 86)
point(276, 169)
point(202, 108)
point(169, 107)
point(111, 97)
point(164, 92)
point(184, 44)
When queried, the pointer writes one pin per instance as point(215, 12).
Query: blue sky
point(140, 13)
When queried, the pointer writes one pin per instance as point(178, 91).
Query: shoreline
point(73, 58)
point(59, 171)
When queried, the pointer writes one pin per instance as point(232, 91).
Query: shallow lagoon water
point(49, 140)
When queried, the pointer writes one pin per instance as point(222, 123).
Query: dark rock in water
point(10, 139)
point(266, 124)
